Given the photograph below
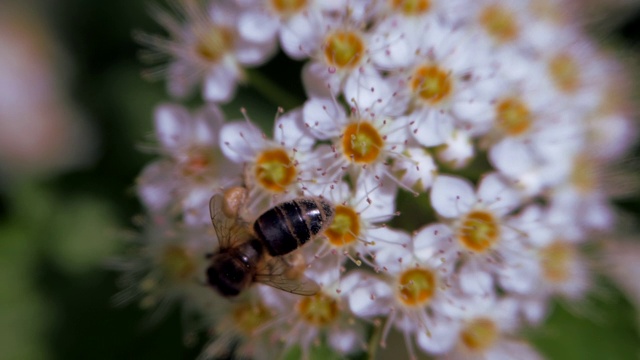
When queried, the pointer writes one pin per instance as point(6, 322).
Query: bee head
point(227, 274)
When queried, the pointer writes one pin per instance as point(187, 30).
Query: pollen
point(417, 286)
point(479, 335)
point(286, 8)
point(176, 263)
point(274, 170)
point(499, 22)
point(213, 42)
point(249, 316)
point(344, 49)
point(565, 72)
point(361, 142)
point(411, 7)
point(478, 231)
point(557, 258)
point(513, 116)
point(431, 84)
point(345, 227)
point(318, 310)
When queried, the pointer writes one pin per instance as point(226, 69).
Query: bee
point(258, 252)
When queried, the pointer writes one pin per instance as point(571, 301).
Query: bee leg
point(234, 199)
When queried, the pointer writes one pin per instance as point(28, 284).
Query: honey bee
point(258, 252)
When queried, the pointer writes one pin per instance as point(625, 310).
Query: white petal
point(254, 54)
point(395, 43)
point(457, 151)
point(430, 240)
point(258, 27)
point(534, 310)
point(321, 81)
point(417, 170)
point(475, 282)
point(196, 206)
point(239, 141)
point(432, 127)
point(442, 336)
point(511, 157)
point(299, 37)
point(377, 200)
point(370, 297)
point(291, 132)
point(392, 248)
point(173, 126)
point(452, 196)
point(344, 340)
point(220, 84)
point(207, 124)
point(497, 195)
point(324, 117)
point(156, 185)
point(367, 88)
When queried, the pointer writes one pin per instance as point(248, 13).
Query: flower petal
point(452, 196)
point(239, 141)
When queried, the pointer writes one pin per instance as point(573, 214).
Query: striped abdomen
point(289, 225)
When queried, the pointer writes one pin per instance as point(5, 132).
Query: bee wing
point(227, 229)
point(275, 273)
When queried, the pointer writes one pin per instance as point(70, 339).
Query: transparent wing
point(228, 230)
point(276, 273)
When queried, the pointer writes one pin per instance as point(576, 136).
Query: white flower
point(356, 228)
point(363, 143)
point(411, 287)
point(274, 169)
point(166, 266)
point(448, 83)
point(193, 167)
point(483, 327)
point(242, 328)
point(204, 47)
point(304, 321)
point(478, 229)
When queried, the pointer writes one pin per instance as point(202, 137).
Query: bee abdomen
point(291, 224)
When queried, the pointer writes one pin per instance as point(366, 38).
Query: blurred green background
point(58, 228)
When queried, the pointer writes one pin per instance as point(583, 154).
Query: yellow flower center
point(431, 83)
point(345, 227)
point(287, 8)
point(248, 317)
point(411, 7)
point(513, 116)
point(343, 49)
point(177, 263)
point(213, 42)
point(361, 142)
point(565, 72)
point(479, 335)
point(499, 22)
point(274, 170)
point(318, 310)
point(478, 231)
point(557, 258)
point(417, 286)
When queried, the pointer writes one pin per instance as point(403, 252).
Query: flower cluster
point(497, 117)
